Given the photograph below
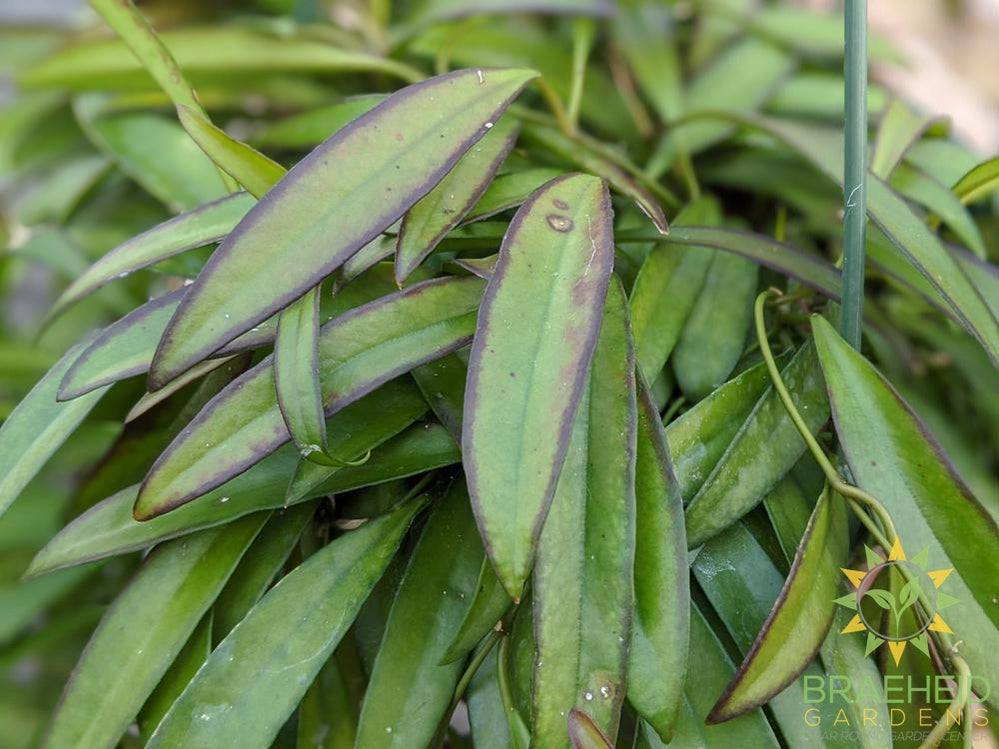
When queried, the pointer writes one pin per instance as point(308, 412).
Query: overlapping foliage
point(404, 406)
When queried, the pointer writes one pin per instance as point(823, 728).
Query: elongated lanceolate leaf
point(584, 733)
point(583, 585)
point(358, 351)
point(893, 456)
point(535, 335)
point(765, 448)
point(799, 620)
point(445, 206)
point(125, 348)
point(255, 678)
point(296, 374)
point(427, 606)
point(196, 228)
point(899, 128)
point(37, 427)
point(978, 182)
point(254, 171)
point(659, 638)
point(331, 204)
point(143, 631)
point(489, 603)
point(509, 191)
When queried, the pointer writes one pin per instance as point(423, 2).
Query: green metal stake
point(855, 170)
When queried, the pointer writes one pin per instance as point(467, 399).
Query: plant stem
point(583, 31)
point(855, 170)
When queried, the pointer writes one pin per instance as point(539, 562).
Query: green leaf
point(442, 383)
point(195, 652)
point(724, 83)
point(429, 11)
point(892, 456)
point(445, 206)
point(204, 54)
point(765, 448)
point(979, 182)
point(899, 128)
point(486, 715)
point(583, 583)
point(296, 376)
point(196, 228)
point(263, 562)
point(358, 351)
point(522, 392)
point(666, 289)
point(109, 528)
point(38, 426)
point(799, 620)
point(934, 195)
point(255, 678)
point(307, 129)
point(489, 603)
point(584, 733)
point(699, 437)
point(321, 212)
point(714, 334)
point(428, 605)
point(661, 627)
point(645, 34)
point(254, 171)
point(783, 257)
point(140, 636)
point(154, 151)
point(509, 191)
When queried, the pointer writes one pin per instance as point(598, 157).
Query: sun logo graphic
point(897, 601)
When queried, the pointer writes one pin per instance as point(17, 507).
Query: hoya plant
point(496, 374)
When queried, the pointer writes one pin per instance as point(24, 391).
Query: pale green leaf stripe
point(255, 678)
point(893, 456)
point(427, 607)
point(38, 426)
point(583, 584)
point(535, 335)
point(196, 228)
point(358, 351)
point(330, 205)
point(444, 207)
point(797, 625)
point(142, 632)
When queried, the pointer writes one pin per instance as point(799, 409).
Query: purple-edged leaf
point(330, 205)
point(482, 267)
point(584, 733)
point(201, 226)
point(296, 374)
point(583, 585)
point(254, 171)
point(534, 340)
point(893, 456)
point(445, 206)
point(125, 348)
point(37, 427)
point(378, 249)
point(358, 351)
point(797, 624)
point(661, 628)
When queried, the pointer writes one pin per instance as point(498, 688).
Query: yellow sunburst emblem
point(887, 597)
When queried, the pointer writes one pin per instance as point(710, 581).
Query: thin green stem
point(855, 170)
point(466, 678)
point(858, 500)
